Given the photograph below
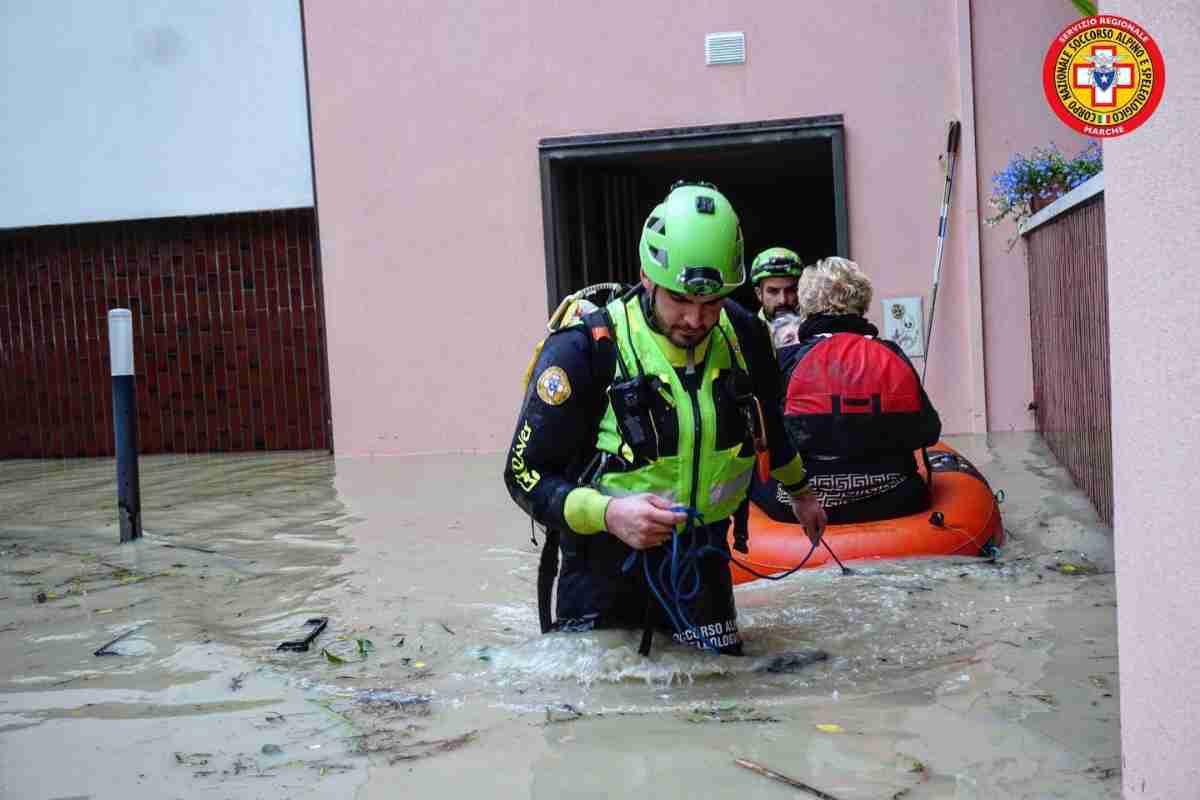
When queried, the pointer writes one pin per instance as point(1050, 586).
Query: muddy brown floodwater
point(947, 678)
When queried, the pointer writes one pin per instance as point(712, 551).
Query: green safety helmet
point(692, 242)
point(775, 262)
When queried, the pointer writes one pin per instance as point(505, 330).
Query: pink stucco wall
point(1011, 116)
point(426, 119)
point(1152, 182)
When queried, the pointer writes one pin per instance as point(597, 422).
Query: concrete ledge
point(1084, 191)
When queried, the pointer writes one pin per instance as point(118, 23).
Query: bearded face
point(777, 295)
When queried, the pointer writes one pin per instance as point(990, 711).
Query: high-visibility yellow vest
point(697, 474)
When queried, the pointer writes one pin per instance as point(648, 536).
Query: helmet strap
point(648, 308)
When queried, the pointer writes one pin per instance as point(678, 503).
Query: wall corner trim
point(969, 198)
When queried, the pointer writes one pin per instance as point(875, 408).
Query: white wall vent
point(725, 48)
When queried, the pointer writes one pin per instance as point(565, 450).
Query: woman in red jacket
point(854, 405)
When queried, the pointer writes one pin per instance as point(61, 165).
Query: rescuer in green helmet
point(775, 273)
point(641, 426)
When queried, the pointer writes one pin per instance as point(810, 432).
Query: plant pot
point(1036, 204)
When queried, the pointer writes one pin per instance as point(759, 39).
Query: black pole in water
point(129, 490)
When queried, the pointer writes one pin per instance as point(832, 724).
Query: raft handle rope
point(678, 579)
point(845, 570)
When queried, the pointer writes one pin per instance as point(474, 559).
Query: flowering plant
point(1029, 182)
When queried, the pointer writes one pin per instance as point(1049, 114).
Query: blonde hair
point(833, 286)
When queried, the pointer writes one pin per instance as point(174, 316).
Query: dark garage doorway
point(785, 178)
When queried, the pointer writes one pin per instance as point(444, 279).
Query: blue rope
point(678, 580)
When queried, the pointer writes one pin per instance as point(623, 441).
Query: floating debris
point(384, 740)
point(564, 712)
point(1070, 568)
point(728, 713)
point(395, 697)
point(301, 645)
point(192, 759)
point(790, 661)
point(324, 769)
point(105, 651)
point(778, 776)
point(181, 546)
point(1041, 697)
point(426, 748)
point(1102, 773)
point(392, 700)
point(363, 647)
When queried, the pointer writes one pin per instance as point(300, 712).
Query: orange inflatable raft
point(963, 520)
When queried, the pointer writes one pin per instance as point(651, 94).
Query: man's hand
point(643, 521)
point(811, 515)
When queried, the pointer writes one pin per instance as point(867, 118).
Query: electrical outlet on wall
point(904, 324)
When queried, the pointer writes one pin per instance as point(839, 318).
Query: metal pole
point(129, 490)
point(952, 135)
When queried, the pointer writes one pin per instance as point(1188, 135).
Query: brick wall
point(229, 344)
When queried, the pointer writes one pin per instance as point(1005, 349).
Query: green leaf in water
point(365, 646)
point(1069, 568)
point(331, 658)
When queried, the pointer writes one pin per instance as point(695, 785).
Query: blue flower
point(1045, 173)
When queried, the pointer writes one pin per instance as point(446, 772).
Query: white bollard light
point(129, 492)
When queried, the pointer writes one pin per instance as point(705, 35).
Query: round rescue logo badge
point(553, 386)
point(1103, 76)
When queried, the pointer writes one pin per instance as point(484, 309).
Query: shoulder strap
point(606, 355)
